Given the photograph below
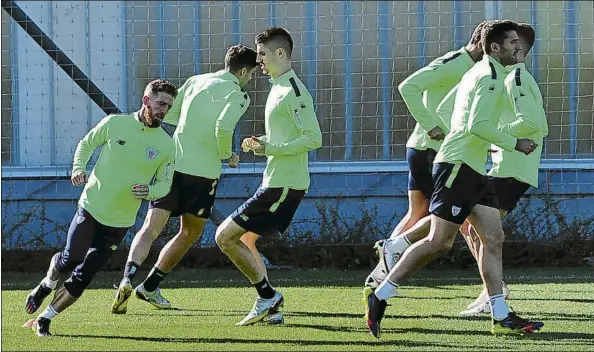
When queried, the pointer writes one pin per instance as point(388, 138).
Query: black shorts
point(189, 194)
point(269, 210)
point(458, 188)
point(420, 164)
point(509, 191)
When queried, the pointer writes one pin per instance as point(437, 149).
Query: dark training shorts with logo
point(420, 164)
point(458, 188)
point(509, 191)
point(189, 194)
point(269, 210)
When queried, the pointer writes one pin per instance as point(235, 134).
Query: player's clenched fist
point(247, 144)
point(233, 161)
point(79, 179)
point(255, 144)
point(526, 146)
point(140, 191)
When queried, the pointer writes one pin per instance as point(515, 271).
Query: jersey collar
point(498, 67)
point(228, 76)
point(282, 78)
point(466, 55)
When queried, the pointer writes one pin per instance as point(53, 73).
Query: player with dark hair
point(292, 131)
point(206, 111)
point(512, 174)
point(422, 92)
point(134, 149)
point(461, 187)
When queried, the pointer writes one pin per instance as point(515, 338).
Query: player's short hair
point(527, 33)
point(240, 56)
point(160, 85)
point(495, 32)
point(475, 38)
point(275, 38)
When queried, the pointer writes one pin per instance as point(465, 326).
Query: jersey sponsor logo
point(517, 105)
point(167, 171)
point(455, 210)
point(151, 153)
point(80, 219)
point(121, 142)
point(491, 88)
point(114, 247)
point(298, 118)
point(244, 217)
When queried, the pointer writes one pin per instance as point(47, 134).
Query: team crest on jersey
point(151, 153)
point(455, 210)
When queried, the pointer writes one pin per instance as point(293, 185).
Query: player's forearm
point(82, 155)
point(159, 190)
point(521, 128)
point(224, 143)
point(412, 95)
point(445, 109)
point(485, 130)
point(308, 141)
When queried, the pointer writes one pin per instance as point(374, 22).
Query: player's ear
point(244, 71)
point(145, 100)
point(280, 52)
point(494, 47)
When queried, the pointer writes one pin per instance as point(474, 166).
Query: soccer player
point(205, 111)
point(134, 149)
point(461, 188)
point(292, 131)
point(422, 92)
point(513, 173)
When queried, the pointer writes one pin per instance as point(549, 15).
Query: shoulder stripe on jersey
point(493, 72)
point(295, 88)
point(518, 80)
point(447, 59)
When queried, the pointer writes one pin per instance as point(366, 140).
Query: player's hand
point(436, 133)
point(140, 191)
point(233, 161)
point(258, 146)
point(246, 145)
point(79, 179)
point(526, 146)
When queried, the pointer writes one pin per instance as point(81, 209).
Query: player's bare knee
point(190, 234)
point(222, 237)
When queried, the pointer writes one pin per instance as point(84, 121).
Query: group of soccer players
point(187, 168)
point(467, 103)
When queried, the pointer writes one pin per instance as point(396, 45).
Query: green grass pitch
point(322, 312)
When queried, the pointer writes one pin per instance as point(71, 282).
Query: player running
point(134, 149)
point(461, 186)
point(206, 111)
point(292, 131)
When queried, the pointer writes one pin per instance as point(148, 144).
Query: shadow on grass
point(298, 342)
